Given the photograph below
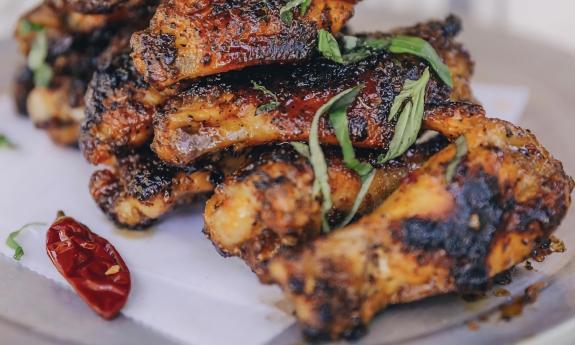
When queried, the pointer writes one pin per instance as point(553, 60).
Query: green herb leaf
point(12, 244)
point(340, 123)
point(358, 49)
point(6, 143)
point(43, 75)
point(26, 27)
point(302, 149)
point(286, 12)
point(461, 151)
point(328, 46)
point(37, 59)
point(421, 48)
point(409, 105)
point(272, 105)
point(337, 109)
point(317, 159)
point(38, 50)
point(366, 182)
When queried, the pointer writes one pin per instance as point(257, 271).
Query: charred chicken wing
point(434, 234)
point(222, 111)
point(268, 207)
point(193, 38)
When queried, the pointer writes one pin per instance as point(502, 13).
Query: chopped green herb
point(26, 27)
point(340, 123)
point(5, 142)
point(11, 241)
point(366, 182)
point(43, 75)
point(337, 109)
point(409, 105)
point(350, 42)
point(38, 50)
point(38, 53)
point(317, 158)
point(358, 49)
point(286, 12)
point(328, 46)
point(272, 105)
point(461, 151)
point(421, 48)
point(302, 149)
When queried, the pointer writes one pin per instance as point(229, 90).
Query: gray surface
point(34, 310)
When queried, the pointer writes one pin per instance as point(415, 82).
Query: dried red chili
point(90, 264)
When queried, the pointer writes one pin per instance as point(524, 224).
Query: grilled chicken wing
point(432, 236)
point(193, 38)
point(58, 109)
point(75, 44)
point(119, 109)
point(218, 112)
point(139, 189)
point(268, 207)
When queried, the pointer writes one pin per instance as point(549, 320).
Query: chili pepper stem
point(60, 214)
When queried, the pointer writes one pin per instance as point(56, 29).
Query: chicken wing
point(432, 235)
point(58, 109)
point(119, 110)
point(222, 111)
point(268, 207)
point(139, 189)
point(188, 39)
point(74, 47)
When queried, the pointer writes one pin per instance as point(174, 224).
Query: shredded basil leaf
point(317, 159)
point(328, 46)
point(272, 105)
point(43, 75)
point(37, 56)
point(421, 48)
point(12, 244)
point(409, 105)
point(26, 27)
point(286, 13)
point(38, 50)
point(366, 182)
point(358, 49)
point(461, 151)
point(302, 149)
point(5, 142)
point(340, 123)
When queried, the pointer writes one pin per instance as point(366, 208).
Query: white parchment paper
point(181, 286)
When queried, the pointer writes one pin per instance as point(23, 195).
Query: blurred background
point(552, 21)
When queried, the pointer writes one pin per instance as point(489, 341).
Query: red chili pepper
point(90, 264)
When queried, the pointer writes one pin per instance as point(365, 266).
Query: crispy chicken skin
point(268, 206)
point(119, 108)
point(97, 6)
point(221, 111)
point(58, 109)
point(139, 189)
point(76, 42)
point(432, 236)
point(193, 38)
